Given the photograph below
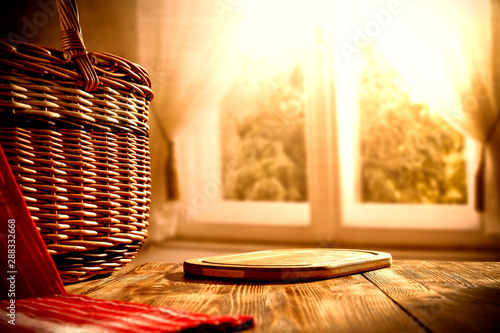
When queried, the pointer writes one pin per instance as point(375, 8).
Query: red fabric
point(34, 298)
point(76, 313)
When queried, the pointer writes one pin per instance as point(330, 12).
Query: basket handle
point(72, 42)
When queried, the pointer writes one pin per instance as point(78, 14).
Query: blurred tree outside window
point(262, 132)
point(408, 154)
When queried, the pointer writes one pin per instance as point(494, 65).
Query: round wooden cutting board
point(287, 265)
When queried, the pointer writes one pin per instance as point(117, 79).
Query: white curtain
point(183, 44)
point(492, 189)
point(476, 75)
point(192, 49)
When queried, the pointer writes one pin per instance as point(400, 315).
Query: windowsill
point(254, 213)
point(180, 250)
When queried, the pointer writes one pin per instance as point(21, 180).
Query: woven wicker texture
point(76, 138)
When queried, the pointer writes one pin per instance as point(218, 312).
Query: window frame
point(357, 214)
point(327, 209)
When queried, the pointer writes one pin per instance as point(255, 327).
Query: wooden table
point(410, 296)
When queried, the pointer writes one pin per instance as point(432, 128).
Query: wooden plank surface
point(463, 295)
point(410, 296)
point(345, 304)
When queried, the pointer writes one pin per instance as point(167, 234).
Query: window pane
point(262, 132)
point(408, 153)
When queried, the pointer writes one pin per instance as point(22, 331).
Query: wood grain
point(85, 287)
point(438, 296)
point(410, 296)
point(345, 304)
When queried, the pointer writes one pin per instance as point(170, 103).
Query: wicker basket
point(74, 128)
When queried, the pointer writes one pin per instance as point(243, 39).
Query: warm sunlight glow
point(381, 80)
point(399, 63)
point(267, 28)
point(421, 47)
point(423, 40)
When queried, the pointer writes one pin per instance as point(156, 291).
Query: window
point(248, 158)
point(262, 134)
point(400, 156)
point(319, 139)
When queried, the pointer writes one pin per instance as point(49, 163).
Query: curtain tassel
point(481, 168)
point(171, 173)
point(479, 179)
